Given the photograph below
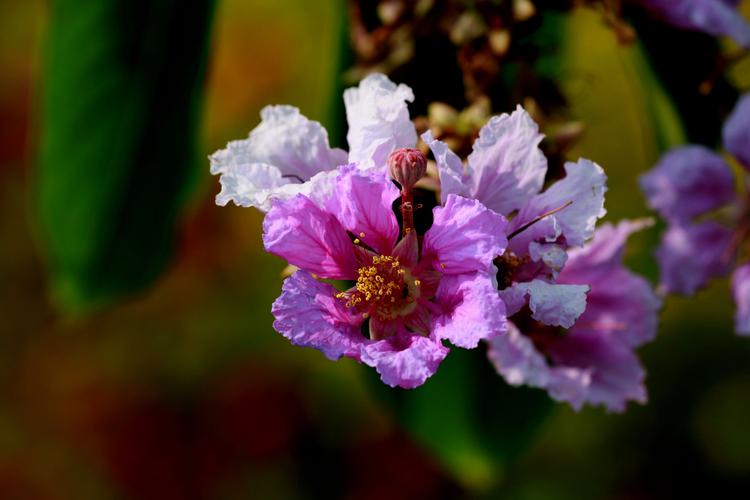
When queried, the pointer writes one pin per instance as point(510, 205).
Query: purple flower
point(576, 314)
point(408, 295)
point(715, 17)
point(504, 260)
point(692, 182)
point(505, 171)
point(287, 154)
point(593, 361)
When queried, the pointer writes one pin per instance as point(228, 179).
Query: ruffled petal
point(582, 190)
point(405, 360)
point(741, 294)
point(620, 302)
point(688, 181)
point(299, 231)
point(465, 237)
point(551, 304)
point(715, 17)
point(506, 166)
point(251, 185)
point(736, 133)
point(450, 169)
point(691, 254)
point(308, 314)
point(606, 248)
point(615, 373)
point(471, 310)
point(584, 368)
point(378, 119)
point(515, 357)
point(521, 239)
point(362, 203)
point(285, 149)
point(552, 256)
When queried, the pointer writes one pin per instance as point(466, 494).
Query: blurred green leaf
point(661, 111)
point(120, 105)
point(469, 418)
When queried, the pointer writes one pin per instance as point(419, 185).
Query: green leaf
point(120, 105)
point(469, 418)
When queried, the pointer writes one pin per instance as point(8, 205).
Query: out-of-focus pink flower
point(715, 17)
point(578, 352)
point(688, 183)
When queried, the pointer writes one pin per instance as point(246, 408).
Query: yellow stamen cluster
point(380, 287)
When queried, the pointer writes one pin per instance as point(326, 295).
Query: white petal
point(506, 165)
point(378, 120)
point(251, 185)
point(450, 169)
point(285, 149)
point(583, 189)
point(553, 256)
point(552, 304)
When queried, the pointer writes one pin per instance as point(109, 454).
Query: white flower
point(288, 154)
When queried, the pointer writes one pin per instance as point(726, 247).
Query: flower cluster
point(693, 189)
point(503, 259)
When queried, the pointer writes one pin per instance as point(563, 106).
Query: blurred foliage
point(120, 108)
point(475, 424)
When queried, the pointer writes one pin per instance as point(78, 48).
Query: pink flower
point(571, 329)
point(593, 361)
point(408, 295)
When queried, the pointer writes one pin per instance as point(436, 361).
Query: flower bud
point(407, 166)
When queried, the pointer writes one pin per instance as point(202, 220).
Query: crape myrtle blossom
point(579, 354)
point(594, 360)
point(288, 154)
point(715, 17)
point(410, 293)
point(502, 259)
point(694, 190)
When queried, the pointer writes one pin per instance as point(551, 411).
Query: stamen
point(293, 176)
point(381, 289)
point(539, 218)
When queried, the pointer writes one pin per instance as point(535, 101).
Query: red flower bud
point(407, 166)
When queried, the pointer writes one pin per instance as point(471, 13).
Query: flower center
point(384, 289)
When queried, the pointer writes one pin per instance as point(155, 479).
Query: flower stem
point(407, 212)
